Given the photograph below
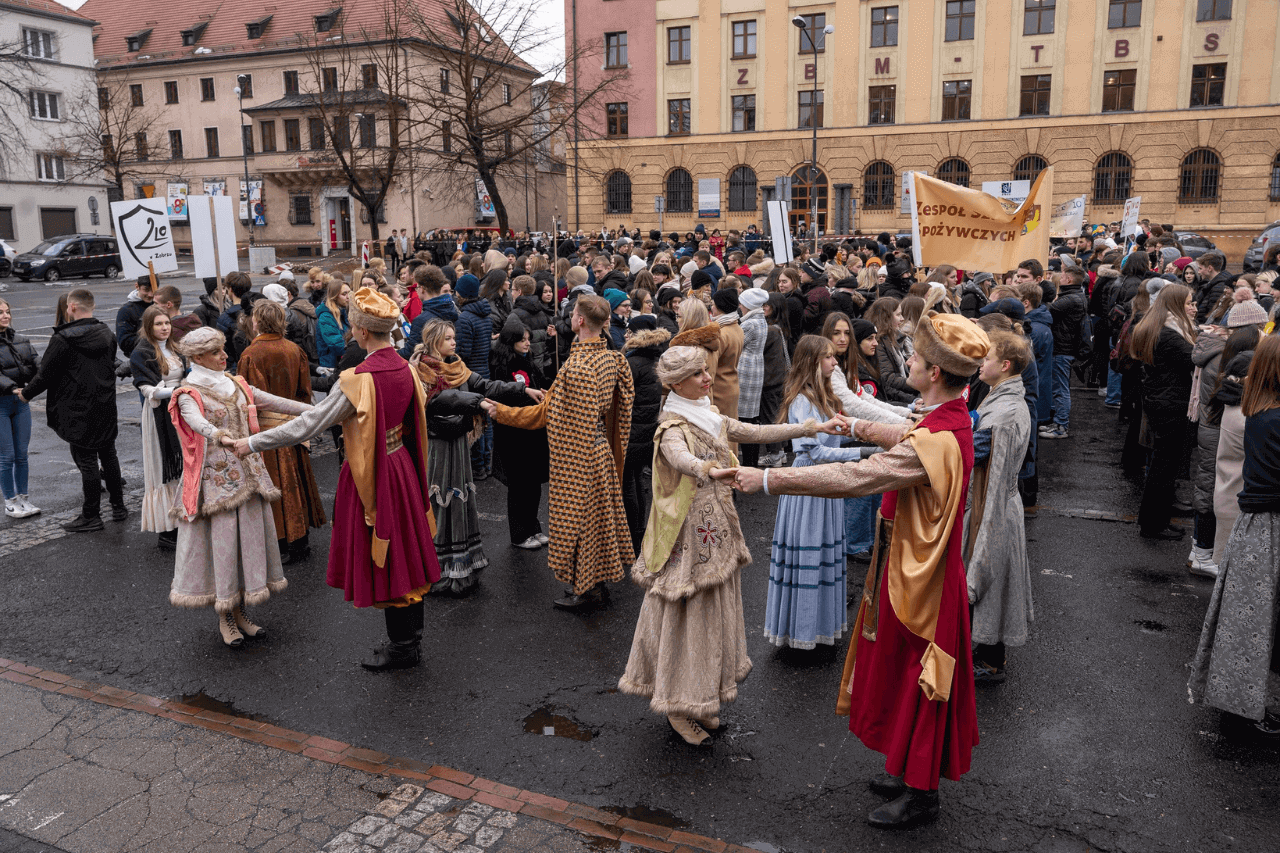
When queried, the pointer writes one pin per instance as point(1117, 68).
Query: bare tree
point(17, 75)
point(482, 114)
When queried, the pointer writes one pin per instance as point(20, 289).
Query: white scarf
point(215, 381)
point(697, 412)
point(726, 319)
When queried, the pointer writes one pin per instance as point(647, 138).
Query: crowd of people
point(897, 412)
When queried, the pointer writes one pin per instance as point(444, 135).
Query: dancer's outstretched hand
point(838, 425)
point(490, 407)
point(723, 474)
point(535, 394)
point(241, 447)
point(749, 480)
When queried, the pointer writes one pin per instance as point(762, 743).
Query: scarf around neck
point(725, 319)
point(215, 381)
point(697, 412)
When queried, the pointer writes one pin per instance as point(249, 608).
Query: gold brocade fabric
point(395, 438)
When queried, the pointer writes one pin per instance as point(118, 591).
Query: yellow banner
point(978, 232)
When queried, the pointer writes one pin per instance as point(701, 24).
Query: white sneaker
point(530, 544)
point(543, 538)
point(27, 507)
point(12, 508)
point(1200, 562)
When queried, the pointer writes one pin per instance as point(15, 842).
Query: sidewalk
point(86, 768)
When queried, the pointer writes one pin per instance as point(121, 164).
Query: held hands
point(723, 474)
point(535, 394)
point(239, 446)
point(838, 425)
point(491, 408)
point(749, 480)
point(551, 330)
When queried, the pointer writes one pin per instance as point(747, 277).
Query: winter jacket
point(1206, 356)
point(18, 361)
point(616, 279)
point(643, 351)
point(330, 336)
point(79, 372)
point(1210, 293)
point(208, 312)
point(440, 307)
point(668, 322)
point(794, 318)
point(972, 300)
point(1068, 311)
point(777, 361)
point(617, 330)
point(751, 363)
point(817, 305)
point(1041, 334)
point(475, 335)
point(499, 310)
point(450, 413)
point(1166, 384)
point(897, 281)
point(893, 373)
point(301, 329)
point(536, 316)
point(520, 455)
point(128, 319)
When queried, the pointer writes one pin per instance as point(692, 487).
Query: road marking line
point(47, 821)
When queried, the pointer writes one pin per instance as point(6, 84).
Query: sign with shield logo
point(143, 232)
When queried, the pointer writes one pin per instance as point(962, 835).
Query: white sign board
point(1014, 191)
point(142, 231)
point(708, 198)
point(780, 231)
point(213, 235)
point(1068, 218)
point(177, 194)
point(1129, 224)
point(908, 200)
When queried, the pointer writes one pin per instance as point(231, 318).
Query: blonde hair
point(433, 333)
point(693, 314)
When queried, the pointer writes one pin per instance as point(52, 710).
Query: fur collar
point(647, 338)
point(707, 337)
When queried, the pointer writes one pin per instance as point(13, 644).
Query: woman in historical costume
point(689, 653)
point(995, 539)
point(452, 416)
point(280, 367)
point(157, 371)
point(1236, 655)
point(227, 554)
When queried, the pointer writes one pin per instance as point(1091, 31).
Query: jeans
point(1113, 387)
point(482, 450)
point(1062, 389)
point(87, 459)
point(15, 435)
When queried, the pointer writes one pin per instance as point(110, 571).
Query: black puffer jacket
point(1166, 384)
point(616, 279)
point(209, 313)
point(536, 316)
point(79, 372)
point(450, 413)
point(1068, 312)
point(18, 361)
point(643, 351)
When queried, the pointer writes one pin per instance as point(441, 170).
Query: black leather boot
point(887, 786)
point(912, 808)
point(403, 649)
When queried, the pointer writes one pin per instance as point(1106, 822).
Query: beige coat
point(1228, 477)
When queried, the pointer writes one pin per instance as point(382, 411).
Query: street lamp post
point(244, 148)
point(802, 25)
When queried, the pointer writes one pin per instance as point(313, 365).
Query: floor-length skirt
point(860, 523)
point(1237, 644)
point(227, 558)
point(806, 603)
point(453, 499)
point(689, 656)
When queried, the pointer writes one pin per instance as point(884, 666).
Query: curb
point(443, 780)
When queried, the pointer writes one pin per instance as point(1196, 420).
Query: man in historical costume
point(587, 415)
point(381, 554)
point(908, 677)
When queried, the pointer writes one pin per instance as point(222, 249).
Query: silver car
point(1258, 248)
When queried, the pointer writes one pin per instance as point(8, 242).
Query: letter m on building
point(882, 64)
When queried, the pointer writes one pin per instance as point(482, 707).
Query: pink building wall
point(595, 18)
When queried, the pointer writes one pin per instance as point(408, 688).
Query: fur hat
point(753, 298)
point(951, 341)
point(1248, 313)
point(374, 311)
point(201, 341)
point(707, 337)
point(680, 362)
point(726, 300)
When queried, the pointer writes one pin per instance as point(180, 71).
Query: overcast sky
point(551, 55)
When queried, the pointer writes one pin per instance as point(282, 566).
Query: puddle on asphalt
point(1150, 626)
point(544, 722)
point(1151, 577)
point(644, 814)
point(205, 702)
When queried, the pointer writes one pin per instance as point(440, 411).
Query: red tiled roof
point(292, 25)
point(49, 7)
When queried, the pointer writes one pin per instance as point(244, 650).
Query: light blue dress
point(807, 601)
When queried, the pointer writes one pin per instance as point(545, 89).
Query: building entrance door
point(808, 180)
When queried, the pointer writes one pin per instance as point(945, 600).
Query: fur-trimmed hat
point(951, 341)
point(707, 337)
point(374, 311)
point(680, 362)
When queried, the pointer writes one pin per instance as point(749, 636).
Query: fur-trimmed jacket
point(643, 351)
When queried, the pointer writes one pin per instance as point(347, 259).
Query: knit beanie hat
point(615, 297)
point(726, 300)
point(815, 268)
point(468, 286)
point(642, 323)
point(575, 276)
point(1181, 264)
point(753, 298)
point(862, 329)
point(701, 278)
point(1248, 313)
point(666, 294)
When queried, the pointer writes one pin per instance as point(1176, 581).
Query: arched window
point(618, 193)
point(954, 171)
point(679, 192)
point(742, 189)
point(1275, 178)
point(1198, 183)
point(1029, 167)
point(1113, 178)
point(807, 184)
point(877, 186)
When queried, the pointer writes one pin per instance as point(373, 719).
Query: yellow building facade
point(1171, 100)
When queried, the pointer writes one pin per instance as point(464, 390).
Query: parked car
point(1193, 245)
point(1258, 248)
point(7, 254)
point(72, 255)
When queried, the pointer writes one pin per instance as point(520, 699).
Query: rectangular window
point(475, 85)
point(267, 131)
point(506, 93)
point(1117, 90)
point(1207, 84)
point(1035, 95)
point(369, 76)
point(1124, 13)
point(368, 128)
point(1213, 10)
point(1037, 17)
point(446, 136)
point(104, 98)
point(135, 94)
point(175, 145)
point(616, 119)
point(507, 147)
point(882, 99)
point(744, 113)
point(315, 130)
point(245, 82)
point(291, 82)
point(211, 143)
point(37, 43)
point(813, 33)
point(960, 15)
point(884, 26)
point(246, 137)
point(679, 45)
point(206, 89)
point(44, 105)
point(744, 39)
point(615, 50)
point(341, 134)
point(292, 135)
point(171, 91)
point(329, 79)
point(811, 108)
point(678, 117)
point(444, 80)
point(956, 98)
point(141, 152)
point(302, 210)
point(50, 167)
point(7, 231)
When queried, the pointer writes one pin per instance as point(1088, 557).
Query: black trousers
point(524, 499)
point(87, 460)
point(637, 488)
point(749, 454)
point(1169, 435)
point(770, 403)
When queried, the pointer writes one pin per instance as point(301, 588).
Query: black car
point(72, 255)
point(1258, 248)
point(1193, 245)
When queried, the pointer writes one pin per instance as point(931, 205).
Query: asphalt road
point(1091, 743)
